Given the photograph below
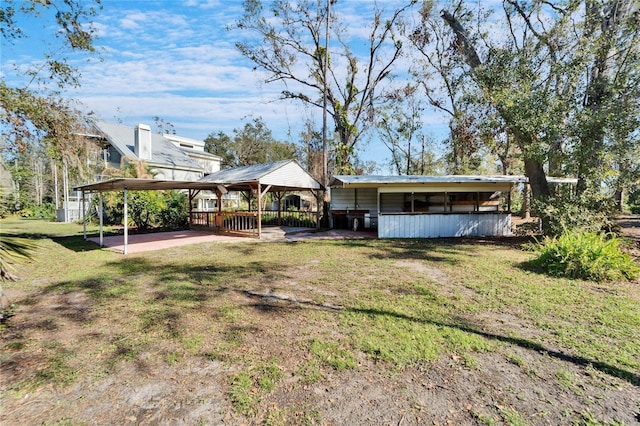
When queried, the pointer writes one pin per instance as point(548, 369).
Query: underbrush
point(586, 255)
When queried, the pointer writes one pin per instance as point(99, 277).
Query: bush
point(46, 211)
point(175, 215)
point(570, 213)
point(587, 255)
point(145, 208)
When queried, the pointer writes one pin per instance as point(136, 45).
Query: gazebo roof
point(285, 175)
point(135, 184)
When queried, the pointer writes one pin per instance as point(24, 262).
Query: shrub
point(566, 212)
point(175, 215)
point(145, 208)
point(587, 255)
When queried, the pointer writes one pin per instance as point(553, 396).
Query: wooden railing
point(300, 219)
point(241, 223)
point(246, 223)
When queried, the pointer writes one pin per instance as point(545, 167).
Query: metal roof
point(282, 175)
point(135, 184)
point(343, 180)
point(163, 152)
point(245, 173)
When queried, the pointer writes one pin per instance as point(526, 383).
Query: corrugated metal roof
point(340, 180)
point(163, 152)
point(135, 184)
point(244, 174)
point(283, 175)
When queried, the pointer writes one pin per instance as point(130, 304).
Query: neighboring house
point(170, 157)
point(425, 206)
point(7, 185)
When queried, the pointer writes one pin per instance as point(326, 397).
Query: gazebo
point(256, 180)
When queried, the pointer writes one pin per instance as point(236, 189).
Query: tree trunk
point(537, 178)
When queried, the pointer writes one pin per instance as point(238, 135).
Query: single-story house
point(425, 206)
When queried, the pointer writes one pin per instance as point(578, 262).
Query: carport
point(258, 180)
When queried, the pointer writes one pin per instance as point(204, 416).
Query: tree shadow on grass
point(76, 243)
point(611, 370)
point(620, 373)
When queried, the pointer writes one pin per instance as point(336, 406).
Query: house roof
point(163, 152)
point(283, 175)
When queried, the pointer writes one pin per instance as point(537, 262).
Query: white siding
point(355, 199)
point(176, 174)
point(291, 175)
point(443, 225)
point(343, 198)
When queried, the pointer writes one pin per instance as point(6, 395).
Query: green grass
point(333, 354)
point(250, 385)
point(399, 303)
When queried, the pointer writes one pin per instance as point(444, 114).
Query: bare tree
point(290, 49)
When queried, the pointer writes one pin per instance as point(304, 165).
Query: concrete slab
point(139, 243)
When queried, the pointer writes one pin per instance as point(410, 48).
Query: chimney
point(143, 142)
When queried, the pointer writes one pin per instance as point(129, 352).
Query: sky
point(176, 59)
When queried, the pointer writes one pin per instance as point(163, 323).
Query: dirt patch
point(139, 393)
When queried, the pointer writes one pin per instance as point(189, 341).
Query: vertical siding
point(346, 199)
point(343, 198)
point(443, 225)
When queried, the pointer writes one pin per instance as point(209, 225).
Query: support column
point(319, 197)
point(259, 210)
point(101, 220)
point(279, 196)
point(126, 221)
point(84, 219)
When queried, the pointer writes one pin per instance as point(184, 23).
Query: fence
point(299, 219)
point(246, 223)
point(242, 223)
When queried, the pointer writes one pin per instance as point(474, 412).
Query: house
point(424, 206)
point(170, 157)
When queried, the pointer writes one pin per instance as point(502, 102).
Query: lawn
point(312, 332)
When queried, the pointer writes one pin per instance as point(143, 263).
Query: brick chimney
point(143, 142)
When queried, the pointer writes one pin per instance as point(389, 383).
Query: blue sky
point(176, 59)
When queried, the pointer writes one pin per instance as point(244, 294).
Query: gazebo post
point(259, 210)
point(84, 220)
point(279, 196)
point(319, 197)
point(126, 221)
point(101, 220)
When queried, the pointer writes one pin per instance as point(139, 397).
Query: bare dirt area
point(114, 377)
